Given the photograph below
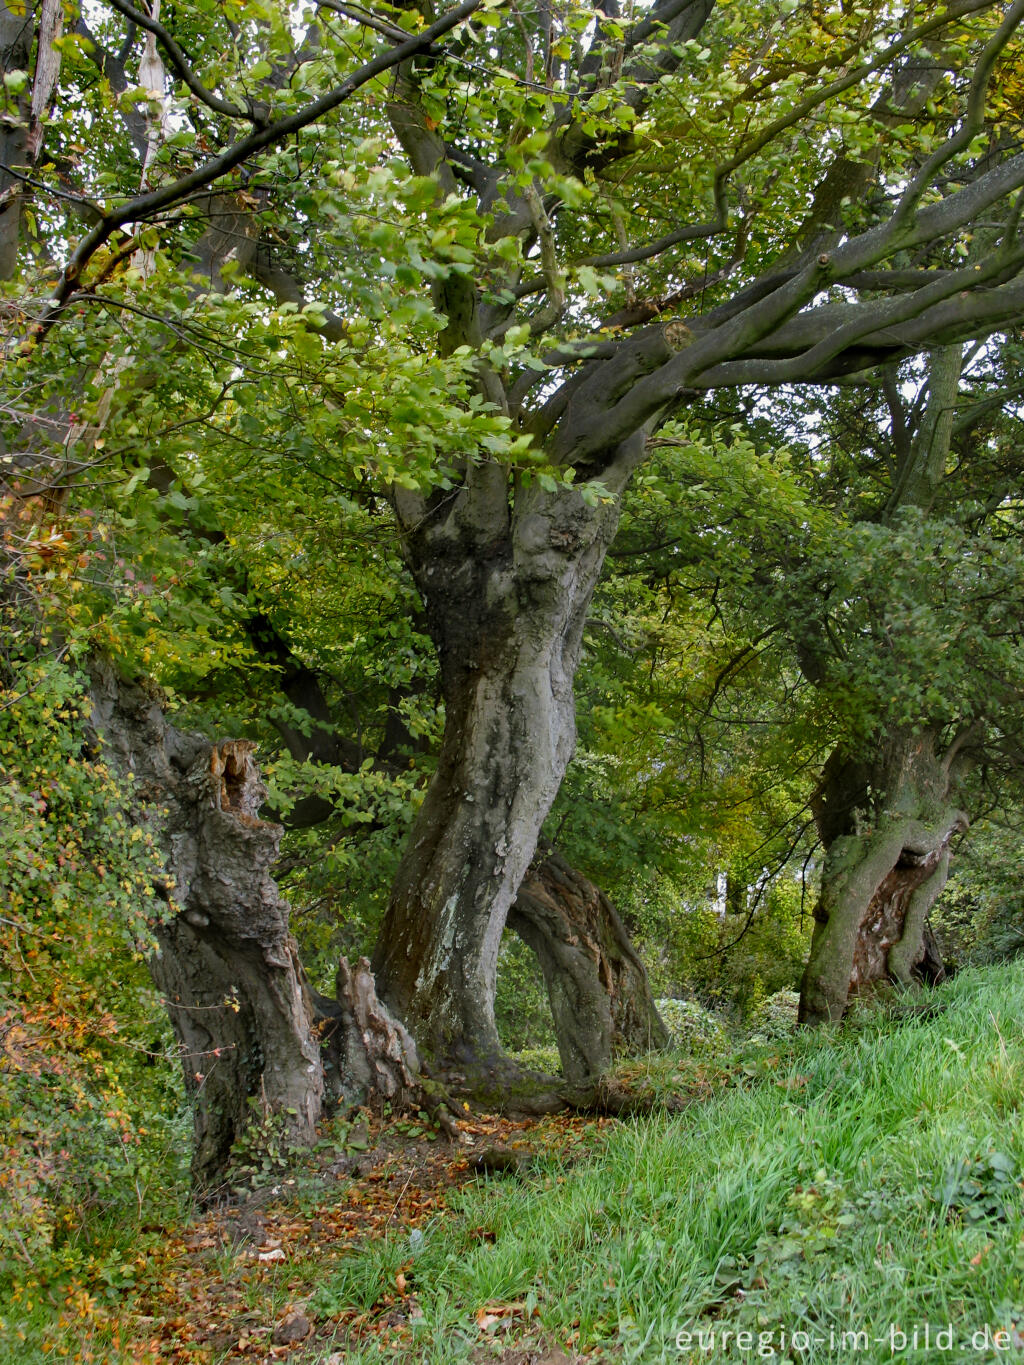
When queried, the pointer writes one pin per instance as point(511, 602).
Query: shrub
point(544, 1059)
point(692, 1028)
point(775, 1017)
point(86, 1070)
point(521, 1006)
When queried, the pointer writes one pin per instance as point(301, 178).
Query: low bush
point(692, 1028)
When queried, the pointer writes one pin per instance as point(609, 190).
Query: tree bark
point(887, 831)
point(366, 1050)
point(249, 1028)
point(600, 996)
point(226, 964)
point(506, 596)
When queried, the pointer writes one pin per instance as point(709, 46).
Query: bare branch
point(286, 288)
point(692, 233)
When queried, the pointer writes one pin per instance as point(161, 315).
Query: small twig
point(398, 1201)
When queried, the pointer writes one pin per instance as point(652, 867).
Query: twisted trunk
point(506, 595)
point(887, 831)
point(600, 996)
point(226, 963)
point(248, 1026)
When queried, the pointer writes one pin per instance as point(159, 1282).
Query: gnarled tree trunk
point(600, 996)
point(506, 597)
point(887, 831)
point(248, 1025)
point(227, 966)
point(366, 1051)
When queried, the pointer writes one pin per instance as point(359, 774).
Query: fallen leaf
point(293, 1327)
point(792, 1082)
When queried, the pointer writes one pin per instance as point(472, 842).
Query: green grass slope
point(851, 1189)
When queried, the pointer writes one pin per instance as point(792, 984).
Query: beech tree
point(877, 586)
point(915, 633)
point(506, 578)
point(549, 233)
point(867, 596)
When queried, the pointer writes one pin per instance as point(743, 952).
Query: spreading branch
point(143, 207)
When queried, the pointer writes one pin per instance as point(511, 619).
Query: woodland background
point(491, 459)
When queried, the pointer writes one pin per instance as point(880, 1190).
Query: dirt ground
point(237, 1283)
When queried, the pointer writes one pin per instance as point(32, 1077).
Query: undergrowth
point(821, 1198)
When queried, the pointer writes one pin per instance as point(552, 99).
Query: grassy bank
point(865, 1181)
point(827, 1195)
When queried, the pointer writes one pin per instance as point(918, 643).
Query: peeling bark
point(600, 997)
point(23, 28)
point(887, 833)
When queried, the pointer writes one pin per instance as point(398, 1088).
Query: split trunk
point(887, 831)
point(506, 593)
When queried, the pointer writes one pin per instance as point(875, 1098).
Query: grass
point(863, 1180)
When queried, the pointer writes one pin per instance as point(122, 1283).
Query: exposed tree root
point(608, 1097)
point(498, 1085)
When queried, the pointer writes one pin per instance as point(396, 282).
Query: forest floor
point(855, 1195)
point(240, 1282)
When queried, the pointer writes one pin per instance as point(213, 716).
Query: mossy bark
point(887, 831)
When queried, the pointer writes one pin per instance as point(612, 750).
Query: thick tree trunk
point(598, 988)
point(887, 833)
point(249, 1028)
point(506, 598)
point(227, 967)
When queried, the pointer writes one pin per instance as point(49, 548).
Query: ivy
point(87, 1078)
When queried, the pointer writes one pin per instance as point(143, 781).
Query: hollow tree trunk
point(887, 832)
point(226, 967)
point(600, 996)
point(248, 1026)
point(506, 596)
